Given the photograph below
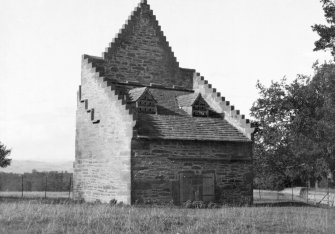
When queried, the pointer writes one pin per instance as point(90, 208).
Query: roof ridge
point(144, 87)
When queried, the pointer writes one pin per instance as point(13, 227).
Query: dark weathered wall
point(156, 163)
point(141, 53)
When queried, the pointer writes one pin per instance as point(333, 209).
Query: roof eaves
point(191, 139)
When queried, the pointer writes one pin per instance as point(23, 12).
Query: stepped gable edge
point(93, 118)
point(217, 103)
point(193, 80)
point(221, 105)
point(163, 153)
point(142, 47)
point(92, 63)
point(97, 62)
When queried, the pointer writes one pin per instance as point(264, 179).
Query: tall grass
point(36, 217)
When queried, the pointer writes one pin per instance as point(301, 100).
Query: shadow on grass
point(38, 200)
point(284, 204)
point(66, 201)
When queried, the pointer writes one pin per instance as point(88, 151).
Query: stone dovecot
point(149, 131)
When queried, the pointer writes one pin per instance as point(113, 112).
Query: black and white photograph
point(178, 116)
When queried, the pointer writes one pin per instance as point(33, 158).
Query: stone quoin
point(151, 132)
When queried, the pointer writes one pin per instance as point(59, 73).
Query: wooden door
point(186, 193)
point(196, 187)
point(208, 191)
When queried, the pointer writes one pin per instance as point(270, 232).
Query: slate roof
point(167, 103)
point(188, 99)
point(171, 122)
point(135, 94)
point(186, 128)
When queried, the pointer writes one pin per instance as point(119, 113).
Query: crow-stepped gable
point(149, 131)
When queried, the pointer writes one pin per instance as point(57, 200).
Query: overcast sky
point(231, 43)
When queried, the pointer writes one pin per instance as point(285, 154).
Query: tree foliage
point(326, 32)
point(296, 137)
point(296, 134)
point(4, 153)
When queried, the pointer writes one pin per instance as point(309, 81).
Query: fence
point(59, 185)
point(36, 185)
point(322, 198)
point(296, 194)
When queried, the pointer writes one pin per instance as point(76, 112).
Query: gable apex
point(141, 11)
point(190, 99)
point(200, 99)
point(138, 93)
point(141, 53)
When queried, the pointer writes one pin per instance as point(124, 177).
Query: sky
point(231, 43)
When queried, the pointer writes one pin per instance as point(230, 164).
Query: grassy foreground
point(39, 217)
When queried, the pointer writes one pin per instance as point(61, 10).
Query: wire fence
point(60, 185)
point(305, 195)
point(36, 185)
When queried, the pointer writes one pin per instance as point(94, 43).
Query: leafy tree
point(326, 32)
point(4, 153)
point(296, 134)
point(272, 154)
point(296, 137)
point(314, 125)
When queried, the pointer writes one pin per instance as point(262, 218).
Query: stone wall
point(104, 130)
point(156, 163)
point(141, 53)
point(111, 163)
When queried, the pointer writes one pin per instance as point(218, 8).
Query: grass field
point(266, 195)
point(45, 216)
point(262, 196)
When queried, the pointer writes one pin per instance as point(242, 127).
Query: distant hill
point(22, 166)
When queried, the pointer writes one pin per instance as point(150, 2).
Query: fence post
point(70, 187)
point(46, 185)
point(22, 186)
point(328, 190)
point(307, 192)
point(292, 189)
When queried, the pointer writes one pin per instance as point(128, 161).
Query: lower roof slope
point(187, 128)
point(172, 122)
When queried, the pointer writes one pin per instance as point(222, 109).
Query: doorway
point(196, 186)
